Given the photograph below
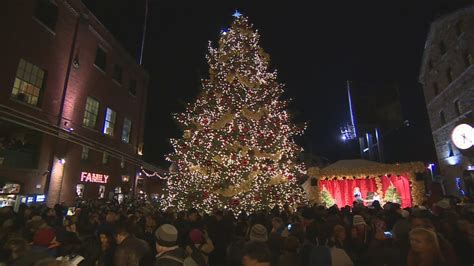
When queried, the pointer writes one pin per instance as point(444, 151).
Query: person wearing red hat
point(199, 248)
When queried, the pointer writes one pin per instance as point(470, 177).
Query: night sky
point(315, 48)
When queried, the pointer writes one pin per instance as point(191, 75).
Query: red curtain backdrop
point(402, 185)
point(342, 191)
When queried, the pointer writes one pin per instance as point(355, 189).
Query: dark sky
point(315, 48)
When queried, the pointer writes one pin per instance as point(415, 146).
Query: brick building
point(447, 76)
point(72, 105)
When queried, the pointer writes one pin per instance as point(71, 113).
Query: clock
point(463, 136)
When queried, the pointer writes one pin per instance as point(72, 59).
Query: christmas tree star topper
point(237, 14)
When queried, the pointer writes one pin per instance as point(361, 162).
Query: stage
point(347, 181)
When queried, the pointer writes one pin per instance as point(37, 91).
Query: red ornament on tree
point(205, 194)
point(255, 168)
point(290, 177)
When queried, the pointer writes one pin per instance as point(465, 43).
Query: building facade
point(72, 105)
point(447, 77)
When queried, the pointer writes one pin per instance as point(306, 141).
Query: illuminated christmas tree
point(391, 195)
point(326, 198)
point(237, 150)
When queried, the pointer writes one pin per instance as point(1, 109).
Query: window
point(109, 122)
point(450, 150)
point(85, 153)
point(101, 59)
point(449, 75)
point(435, 89)
point(28, 82)
point(457, 108)
point(101, 191)
point(80, 190)
point(459, 27)
point(133, 87)
point(91, 113)
point(468, 60)
point(47, 13)
point(127, 127)
point(442, 48)
point(105, 158)
point(442, 118)
point(117, 75)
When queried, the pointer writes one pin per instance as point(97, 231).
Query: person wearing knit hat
point(258, 233)
point(358, 220)
point(168, 251)
point(196, 237)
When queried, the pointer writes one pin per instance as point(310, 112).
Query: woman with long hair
point(425, 249)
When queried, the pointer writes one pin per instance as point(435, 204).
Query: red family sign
point(94, 178)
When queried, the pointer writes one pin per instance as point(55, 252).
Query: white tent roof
point(352, 164)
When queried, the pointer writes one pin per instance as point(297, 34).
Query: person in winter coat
point(130, 250)
point(21, 253)
point(199, 248)
point(167, 249)
point(425, 249)
point(236, 247)
point(256, 253)
point(290, 256)
point(107, 249)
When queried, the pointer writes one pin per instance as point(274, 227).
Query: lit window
point(47, 13)
point(101, 191)
point(109, 122)
point(450, 150)
point(28, 82)
point(80, 190)
point(85, 153)
point(117, 75)
point(127, 127)
point(442, 118)
point(133, 87)
point(436, 88)
point(105, 158)
point(91, 113)
point(101, 59)
point(459, 27)
point(457, 108)
point(442, 48)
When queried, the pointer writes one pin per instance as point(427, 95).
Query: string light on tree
point(237, 150)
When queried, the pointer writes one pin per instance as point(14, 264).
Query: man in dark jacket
point(130, 250)
point(168, 251)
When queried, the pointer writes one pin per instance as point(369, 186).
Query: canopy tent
point(342, 178)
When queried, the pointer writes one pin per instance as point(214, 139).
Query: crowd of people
point(133, 233)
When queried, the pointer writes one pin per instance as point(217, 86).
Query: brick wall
point(24, 36)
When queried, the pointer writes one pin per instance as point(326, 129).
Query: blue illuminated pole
point(350, 108)
point(144, 33)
